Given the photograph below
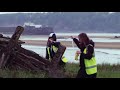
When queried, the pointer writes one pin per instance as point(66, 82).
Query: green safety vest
point(55, 50)
point(90, 65)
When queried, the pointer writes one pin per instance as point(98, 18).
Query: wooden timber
point(13, 56)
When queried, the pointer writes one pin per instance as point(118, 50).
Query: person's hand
point(77, 55)
point(71, 37)
point(78, 52)
point(48, 43)
point(50, 40)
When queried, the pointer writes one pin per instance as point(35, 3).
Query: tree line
point(67, 21)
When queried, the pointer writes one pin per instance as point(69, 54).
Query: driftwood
point(54, 68)
point(13, 56)
point(5, 52)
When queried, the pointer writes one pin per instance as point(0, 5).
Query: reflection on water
point(111, 56)
point(45, 37)
point(90, 34)
point(105, 40)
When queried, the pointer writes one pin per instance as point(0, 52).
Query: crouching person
point(51, 49)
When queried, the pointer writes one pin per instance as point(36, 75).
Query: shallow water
point(111, 56)
point(45, 37)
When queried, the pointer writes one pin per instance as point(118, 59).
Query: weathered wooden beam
point(18, 64)
point(58, 55)
point(15, 37)
point(6, 40)
point(12, 55)
point(26, 62)
point(5, 52)
point(1, 35)
point(54, 70)
point(33, 54)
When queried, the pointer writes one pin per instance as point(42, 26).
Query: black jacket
point(52, 53)
point(88, 55)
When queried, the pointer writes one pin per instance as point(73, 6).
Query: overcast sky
point(19, 12)
point(29, 12)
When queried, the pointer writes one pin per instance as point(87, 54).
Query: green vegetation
point(21, 74)
point(108, 71)
point(104, 71)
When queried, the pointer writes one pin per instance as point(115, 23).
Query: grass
point(108, 71)
point(104, 71)
point(6, 73)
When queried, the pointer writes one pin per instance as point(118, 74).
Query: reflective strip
point(64, 59)
point(54, 49)
point(91, 67)
point(49, 53)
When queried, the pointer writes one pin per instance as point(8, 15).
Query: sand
point(110, 45)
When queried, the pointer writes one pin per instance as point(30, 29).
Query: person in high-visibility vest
point(88, 65)
point(51, 49)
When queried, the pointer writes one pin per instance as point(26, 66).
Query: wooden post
point(54, 70)
point(5, 52)
point(33, 54)
point(56, 59)
point(13, 55)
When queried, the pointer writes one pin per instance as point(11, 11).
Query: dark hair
point(54, 37)
point(84, 37)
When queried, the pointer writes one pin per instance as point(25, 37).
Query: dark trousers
point(83, 74)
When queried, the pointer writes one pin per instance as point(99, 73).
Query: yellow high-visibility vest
point(64, 59)
point(55, 50)
point(48, 50)
point(90, 65)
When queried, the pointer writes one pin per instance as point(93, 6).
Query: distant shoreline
point(33, 41)
point(107, 45)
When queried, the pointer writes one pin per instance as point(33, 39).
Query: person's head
point(83, 38)
point(52, 36)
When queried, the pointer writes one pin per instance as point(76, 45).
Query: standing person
point(88, 66)
point(51, 49)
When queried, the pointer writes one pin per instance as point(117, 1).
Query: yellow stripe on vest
point(48, 49)
point(64, 59)
point(55, 50)
point(91, 67)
